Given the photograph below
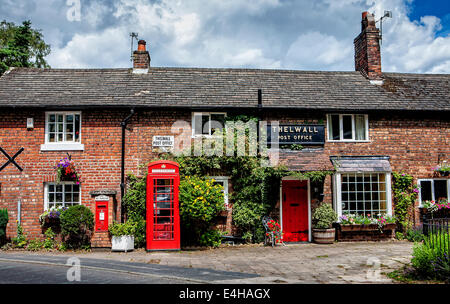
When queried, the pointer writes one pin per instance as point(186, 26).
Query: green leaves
point(21, 46)
point(405, 194)
point(127, 228)
point(76, 222)
point(324, 216)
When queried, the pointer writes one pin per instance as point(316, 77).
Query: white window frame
point(64, 145)
point(204, 113)
point(432, 188)
point(225, 180)
point(341, 128)
point(46, 186)
point(337, 197)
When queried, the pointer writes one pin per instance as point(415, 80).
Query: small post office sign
point(163, 141)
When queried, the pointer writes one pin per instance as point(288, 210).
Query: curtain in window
point(360, 127)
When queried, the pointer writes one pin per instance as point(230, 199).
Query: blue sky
point(277, 34)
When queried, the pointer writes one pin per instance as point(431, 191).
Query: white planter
point(122, 243)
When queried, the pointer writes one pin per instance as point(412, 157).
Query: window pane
point(217, 122)
point(77, 128)
point(440, 190)
point(347, 126)
point(358, 194)
point(360, 127)
point(205, 124)
point(425, 191)
point(334, 127)
point(198, 124)
point(51, 118)
point(60, 118)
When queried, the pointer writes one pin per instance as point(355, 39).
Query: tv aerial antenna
point(133, 36)
point(387, 14)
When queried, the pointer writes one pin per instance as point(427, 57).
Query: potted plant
point(51, 217)
point(323, 218)
point(122, 236)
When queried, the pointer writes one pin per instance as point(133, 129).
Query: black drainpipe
point(124, 124)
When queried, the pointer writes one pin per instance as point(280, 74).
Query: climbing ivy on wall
point(405, 194)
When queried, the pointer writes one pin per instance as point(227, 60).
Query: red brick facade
point(413, 142)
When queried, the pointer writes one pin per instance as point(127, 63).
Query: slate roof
point(212, 88)
point(345, 164)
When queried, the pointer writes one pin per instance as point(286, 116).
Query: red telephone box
point(163, 213)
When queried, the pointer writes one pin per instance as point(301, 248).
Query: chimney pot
point(141, 45)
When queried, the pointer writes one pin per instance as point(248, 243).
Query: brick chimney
point(367, 50)
point(141, 59)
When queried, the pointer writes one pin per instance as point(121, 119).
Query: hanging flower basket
point(67, 172)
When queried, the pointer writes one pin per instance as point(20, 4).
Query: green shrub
point(323, 216)
point(3, 222)
point(200, 203)
point(135, 206)
point(211, 238)
point(77, 223)
point(127, 228)
point(34, 245)
point(399, 236)
point(431, 258)
point(414, 234)
point(49, 242)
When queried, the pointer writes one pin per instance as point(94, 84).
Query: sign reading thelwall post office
point(296, 134)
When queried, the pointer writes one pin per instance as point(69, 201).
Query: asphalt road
point(35, 269)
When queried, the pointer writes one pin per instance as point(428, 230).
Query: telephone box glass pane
point(163, 221)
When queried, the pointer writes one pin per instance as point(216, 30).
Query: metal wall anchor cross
point(11, 160)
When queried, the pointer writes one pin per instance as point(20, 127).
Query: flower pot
point(444, 173)
point(122, 243)
point(324, 236)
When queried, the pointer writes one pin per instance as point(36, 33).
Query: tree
point(21, 46)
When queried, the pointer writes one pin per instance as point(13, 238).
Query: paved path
point(362, 262)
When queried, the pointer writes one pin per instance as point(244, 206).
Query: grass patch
point(321, 256)
point(408, 275)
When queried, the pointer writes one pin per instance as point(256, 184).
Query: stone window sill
point(62, 147)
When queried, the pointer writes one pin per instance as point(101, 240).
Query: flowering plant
point(52, 213)
point(357, 219)
point(435, 206)
point(276, 229)
point(66, 171)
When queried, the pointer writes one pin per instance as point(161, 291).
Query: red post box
point(101, 215)
point(163, 213)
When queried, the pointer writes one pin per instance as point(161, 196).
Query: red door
point(295, 211)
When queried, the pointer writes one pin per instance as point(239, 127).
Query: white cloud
point(301, 34)
point(93, 51)
point(314, 50)
point(411, 46)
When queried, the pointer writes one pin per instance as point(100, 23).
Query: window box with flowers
point(358, 227)
point(435, 209)
point(443, 169)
